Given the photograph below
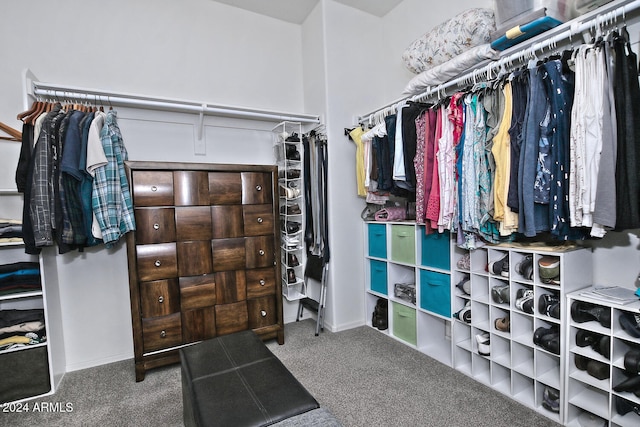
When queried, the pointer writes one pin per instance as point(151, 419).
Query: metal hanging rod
point(42, 90)
point(606, 16)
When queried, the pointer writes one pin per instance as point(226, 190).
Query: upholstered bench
point(235, 380)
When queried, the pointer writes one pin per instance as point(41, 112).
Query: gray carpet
point(361, 376)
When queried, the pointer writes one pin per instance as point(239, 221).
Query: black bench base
point(235, 380)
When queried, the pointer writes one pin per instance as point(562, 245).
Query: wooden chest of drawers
point(204, 258)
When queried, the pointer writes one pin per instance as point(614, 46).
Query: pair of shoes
point(290, 227)
point(291, 210)
point(500, 267)
point(290, 242)
point(465, 285)
point(289, 173)
point(524, 300)
point(599, 343)
point(587, 419)
point(292, 138)
point(630, 322)
point(548, 339)
point(291, 276)
point(291, 152)
point(288, 192)
point(631, 384)
point(500, 294)
point(484, 344)
point(292, 260)
point(549, 270)
point(549, 304)
point(464, 263)
point(584, 312)
point(380, 318)
point(525, 267)
point(624, 406)
point(502, 324)
point(551, 399)
point(595, 368)
point(465, 313)
point(632, 361)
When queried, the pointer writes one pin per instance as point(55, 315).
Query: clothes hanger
point(14, 135)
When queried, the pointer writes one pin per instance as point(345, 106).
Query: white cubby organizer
point(397, 252)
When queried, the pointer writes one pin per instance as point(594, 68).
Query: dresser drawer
point(258, 220)
point(262, 312)
point(194, 257)
point(229, 254)
point(198, 324)
point(152, 188)
point(257, 188)
point(158, 261)
point(197, 291)
point(260, 282)
point(231, 318)
point(159, 297)
point(193, 223)
point(231, 286)
point(260, 251)
point(155, 225)
point(161, 332)
point(191, 188)
point(225, 188)
point(226, 221)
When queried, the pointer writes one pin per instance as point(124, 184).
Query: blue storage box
point(436, 250)
point(378, 240)
point(378, 275)
point(435, 292)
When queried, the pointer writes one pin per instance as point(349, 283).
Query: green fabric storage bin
point(378, 276)
point(404, 323)
point(435, 292)
point(403, 243)
point(436, 250)
point(377, 240)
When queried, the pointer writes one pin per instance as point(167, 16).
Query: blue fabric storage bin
point(378, 270)
point(435, 292)
point(436, 250)
point(378, 240)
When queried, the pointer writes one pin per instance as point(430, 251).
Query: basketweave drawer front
point(193, 223)
point(161, 332)
point(159, 298)
point(198, 324)
point(194, 257)
point(197, 291)
point(228, 254)
point(260, 282)
point(231, 286)
point(257, 188)
point(262, 312)
point(260, 251)
point(226, 221)
point(191, 188)
point(258, 220)
point(157, 261)
point(231, 318)
point(152, 188)
point(155, 225)
point(225, 188)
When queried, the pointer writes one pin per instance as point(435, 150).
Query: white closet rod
point(80, 95)
point(603, 17)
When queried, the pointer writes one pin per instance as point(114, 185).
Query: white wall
point(193, 49)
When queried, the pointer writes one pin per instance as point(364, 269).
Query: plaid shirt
point(111, 198)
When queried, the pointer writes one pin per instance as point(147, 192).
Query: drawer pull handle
point(260, 220)
point(261, 252)
point(262, 282)
point(157, 263)
point(154, 188)
point(163, 334)
point(160, 299)
point(259, 187)
point(156, 226)
point(263, 313)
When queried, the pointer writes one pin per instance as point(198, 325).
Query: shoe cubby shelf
point(492, 313)
point(287, 146)
point(603, 365)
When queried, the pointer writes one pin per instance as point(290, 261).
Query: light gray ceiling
point(295, 11)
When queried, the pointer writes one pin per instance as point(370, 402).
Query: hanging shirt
point(356, 137)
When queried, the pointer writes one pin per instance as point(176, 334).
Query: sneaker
point(500, 294)
point(465, 313)
point(484, 347)
point(500, 267)
point(630, 322)
point(525, 267)
point(549, 269)
point(524, 300)
point(549, 304)
point(465, 285)
point(584, 312)
point(551, 399)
